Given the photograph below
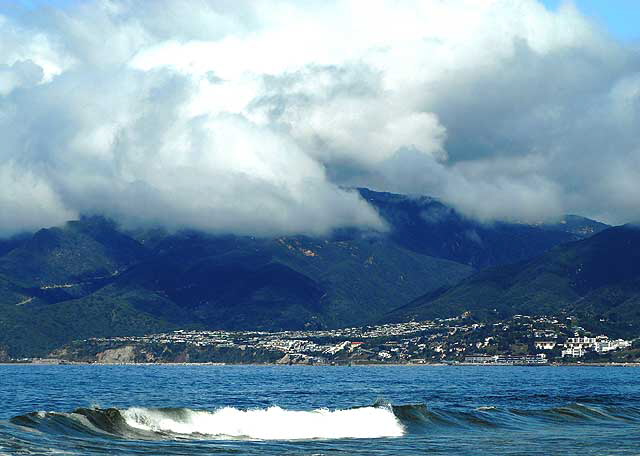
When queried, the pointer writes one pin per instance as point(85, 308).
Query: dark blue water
point(386, 410)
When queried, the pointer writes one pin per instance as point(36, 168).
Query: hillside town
point(520, 340)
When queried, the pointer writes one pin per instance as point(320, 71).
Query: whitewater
point(273, 423)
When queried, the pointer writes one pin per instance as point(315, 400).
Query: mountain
point(197, 280)
point(10, 243)
point(427, 226)
point(80, 251)
point(32, 327)
point(596, 280)
point(243, 283)
point(89, 278)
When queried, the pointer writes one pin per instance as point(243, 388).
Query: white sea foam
point(273, 423)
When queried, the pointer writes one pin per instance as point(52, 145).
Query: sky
point(619, 17)
point(259, 117)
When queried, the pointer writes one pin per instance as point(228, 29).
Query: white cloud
point(248, 117)
point(27, 202)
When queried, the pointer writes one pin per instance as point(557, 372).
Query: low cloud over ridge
point(252, 117)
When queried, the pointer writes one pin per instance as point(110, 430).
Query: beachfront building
point(480, 359)
point(605, 345)
point(575, 352)
point(506, 359)
point(579, 346)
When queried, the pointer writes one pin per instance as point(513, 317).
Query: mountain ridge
point(89, 277)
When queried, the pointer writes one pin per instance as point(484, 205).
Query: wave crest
point(273, 423)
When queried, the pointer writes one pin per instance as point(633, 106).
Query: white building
point(576, 352)
point(545, 344)
point(606, 345)
point(578, 346)
point(583, 342)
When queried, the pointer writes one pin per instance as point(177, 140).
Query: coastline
point(87, 363)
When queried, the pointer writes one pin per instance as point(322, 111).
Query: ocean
point(290, 410)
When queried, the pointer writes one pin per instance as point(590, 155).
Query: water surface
point(383, 410)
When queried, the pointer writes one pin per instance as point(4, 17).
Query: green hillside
point(596, 280)
point(91, 278)
point(79, 251)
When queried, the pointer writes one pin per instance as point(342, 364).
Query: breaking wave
point(275, 423)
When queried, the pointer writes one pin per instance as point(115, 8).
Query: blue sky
point(621, 17)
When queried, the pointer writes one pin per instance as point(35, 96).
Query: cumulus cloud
point(254, 117)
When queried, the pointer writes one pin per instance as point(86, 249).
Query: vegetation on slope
point(596, 279)
point(90, 278)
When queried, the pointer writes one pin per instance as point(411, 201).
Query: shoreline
point(88, 363)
